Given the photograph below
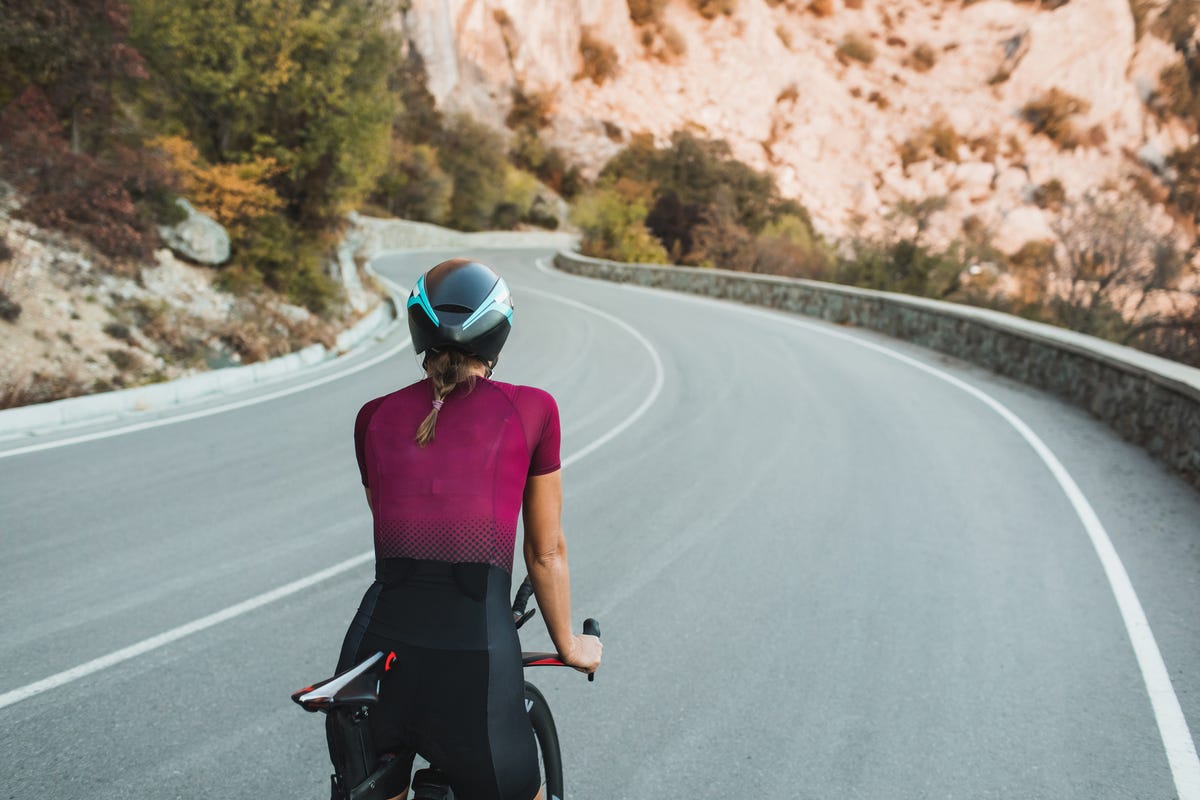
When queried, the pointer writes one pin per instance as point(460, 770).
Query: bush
point(646, 12)
point(600, 60)
point(1185, 190)
point(1050, 114)
point(614, 227)
point(939, 139)
point(922, 58)
point(857, 47)
point(1179, 89)
point(1050, 195)
point(529, 110)
point(118, 331)
point(711, 9)
point(673, 41)
point(822, 8)
point(414, 185)
point(473, 155)
point(91, 196)
point(10, 310)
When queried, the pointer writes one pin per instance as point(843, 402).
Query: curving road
point(822, 572)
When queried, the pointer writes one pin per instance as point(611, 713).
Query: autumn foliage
point(236, 195)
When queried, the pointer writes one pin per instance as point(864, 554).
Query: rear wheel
point(549, 756)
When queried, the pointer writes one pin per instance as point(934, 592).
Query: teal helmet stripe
point(418, 298)
point(498, 300)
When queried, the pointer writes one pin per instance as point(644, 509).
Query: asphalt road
point(821, 573)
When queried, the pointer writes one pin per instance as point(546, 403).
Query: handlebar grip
point(591, 628)
point(522, 598)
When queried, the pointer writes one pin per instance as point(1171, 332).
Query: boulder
point(199, 238)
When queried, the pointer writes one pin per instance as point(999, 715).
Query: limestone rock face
point(769, 79)
point(199, 238)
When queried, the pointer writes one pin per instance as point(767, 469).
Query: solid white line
point(246, 606)
point(1168, 714)
point(155, 642)
point(207, 412)
point(655, 390)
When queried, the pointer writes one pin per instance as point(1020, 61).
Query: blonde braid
point(446, 369)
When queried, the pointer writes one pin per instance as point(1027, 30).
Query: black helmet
point(463, 305)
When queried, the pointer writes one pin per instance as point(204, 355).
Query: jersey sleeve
point(361, 424)
point(545, 456)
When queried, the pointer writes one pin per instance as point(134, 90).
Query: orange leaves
point(235, 194)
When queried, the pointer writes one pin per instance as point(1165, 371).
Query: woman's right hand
point(585, 654)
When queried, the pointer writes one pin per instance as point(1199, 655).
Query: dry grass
point(1051, 114)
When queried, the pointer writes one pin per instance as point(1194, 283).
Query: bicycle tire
point(549, 755)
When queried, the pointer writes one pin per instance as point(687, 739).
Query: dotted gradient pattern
point(478, 541)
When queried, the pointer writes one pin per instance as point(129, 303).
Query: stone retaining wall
point(1147, 400)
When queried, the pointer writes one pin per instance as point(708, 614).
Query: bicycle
point(350, 696)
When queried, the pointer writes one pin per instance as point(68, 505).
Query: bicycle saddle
point(357, 686)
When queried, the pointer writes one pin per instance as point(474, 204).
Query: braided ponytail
point(446, 369)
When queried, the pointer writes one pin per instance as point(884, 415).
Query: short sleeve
point(545, 457)
point(361, 423)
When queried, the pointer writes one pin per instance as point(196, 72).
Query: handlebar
point(521, 616)
point(591, 628)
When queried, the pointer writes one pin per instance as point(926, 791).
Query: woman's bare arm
point(545, 550)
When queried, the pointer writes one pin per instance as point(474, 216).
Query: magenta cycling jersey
point(456, 499)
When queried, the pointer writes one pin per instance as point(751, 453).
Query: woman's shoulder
point(406, 392)
point(520, 394)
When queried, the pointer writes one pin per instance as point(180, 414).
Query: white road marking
point(246, 606)
point(1168, 714)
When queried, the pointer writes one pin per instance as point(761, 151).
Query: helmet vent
point(454, 307)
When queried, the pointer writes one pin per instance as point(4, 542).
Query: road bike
point(350, 696)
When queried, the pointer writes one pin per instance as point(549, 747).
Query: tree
point(304, 83)
point(1109, 263)
point(75, 52)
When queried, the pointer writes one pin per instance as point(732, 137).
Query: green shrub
point(856, 47)
point(414, 186)
point(613, 226)
point(473, 155)
point(600, 61)
point(1050, 114)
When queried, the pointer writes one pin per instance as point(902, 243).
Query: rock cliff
point(836, 106)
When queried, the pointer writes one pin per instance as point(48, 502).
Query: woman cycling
point(448, 463)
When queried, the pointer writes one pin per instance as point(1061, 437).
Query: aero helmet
point(461, 305)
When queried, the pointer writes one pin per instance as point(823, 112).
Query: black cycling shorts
point(455, 692)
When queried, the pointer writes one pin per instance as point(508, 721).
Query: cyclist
point(447, 463)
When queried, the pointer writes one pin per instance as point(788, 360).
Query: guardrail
point(1148, 400)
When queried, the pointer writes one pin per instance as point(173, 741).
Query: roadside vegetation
point(1109, 273)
